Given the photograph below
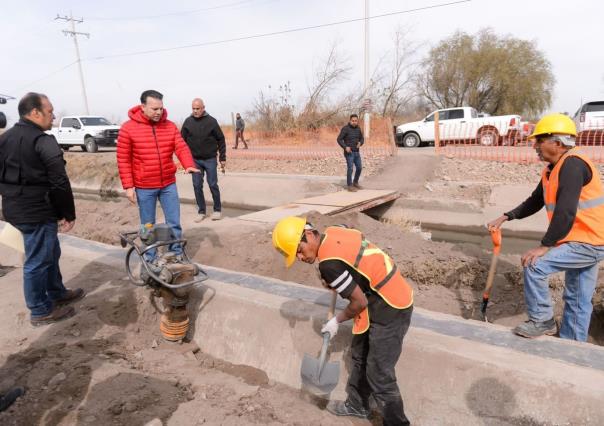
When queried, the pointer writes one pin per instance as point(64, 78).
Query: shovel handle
point(332, 305)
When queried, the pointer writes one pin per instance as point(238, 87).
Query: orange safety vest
point(349, 246)
point(589, 221)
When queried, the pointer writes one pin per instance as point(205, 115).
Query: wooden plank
point(359, 203)
point(346, 198)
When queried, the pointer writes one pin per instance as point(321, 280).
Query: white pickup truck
point(461, 123)
point(88, 132)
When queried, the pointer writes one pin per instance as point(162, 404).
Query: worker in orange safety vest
point(381, 303)
point(571, 191)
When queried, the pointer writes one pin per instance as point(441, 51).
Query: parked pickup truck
point(461, 123)
point(88, 132)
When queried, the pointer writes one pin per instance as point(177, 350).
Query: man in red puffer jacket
point(145, 147)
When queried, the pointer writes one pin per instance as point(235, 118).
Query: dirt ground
point(112, 355)
point(108, 365)
point(89, 165)
point(447, 277)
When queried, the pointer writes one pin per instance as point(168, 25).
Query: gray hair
point(566, 140)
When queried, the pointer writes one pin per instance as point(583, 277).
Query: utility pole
point(73, 33)
point(366, 100)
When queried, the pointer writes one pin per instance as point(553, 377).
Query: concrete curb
point(452, 371)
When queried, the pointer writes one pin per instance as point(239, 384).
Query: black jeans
point(374, 356)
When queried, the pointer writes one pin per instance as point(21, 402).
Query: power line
point(45, 77)
point(186, 12)
point(293, 30)
point(262, 35)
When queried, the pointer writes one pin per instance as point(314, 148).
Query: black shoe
point(532, 329)
point(11, 396)
point(343, 408)
point(70, 296)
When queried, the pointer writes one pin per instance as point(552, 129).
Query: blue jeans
point(42, 280)
point(353, 158)
point(170, 205)
point(580, 263)
point(210, 167)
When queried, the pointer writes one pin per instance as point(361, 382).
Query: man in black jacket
point(206, 141)
point(351, 139)
point(37, 200)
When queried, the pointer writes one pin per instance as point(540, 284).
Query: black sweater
point(33, 181)
point(350, 136)
point(574, 175)
point(204, 137)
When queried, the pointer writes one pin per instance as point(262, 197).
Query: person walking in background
point(38, 201)
point(206, 141)
point(146, 145)
point(351, 139)
point(239, 128)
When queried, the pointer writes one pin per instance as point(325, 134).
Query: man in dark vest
point(37, 200)
point(381, 303)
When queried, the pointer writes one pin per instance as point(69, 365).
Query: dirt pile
point(109, 366)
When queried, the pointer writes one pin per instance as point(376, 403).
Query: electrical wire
point(273, 33)
point(187, 12)
point(45, 77)
point(250, 37)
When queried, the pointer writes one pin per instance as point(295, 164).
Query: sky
point(36, 55)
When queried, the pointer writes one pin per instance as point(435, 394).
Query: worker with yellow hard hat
point(571, 191)
point(381, 303)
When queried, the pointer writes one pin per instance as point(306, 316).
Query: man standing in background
point(351, 139)
point(239, 128)
point(206, 141)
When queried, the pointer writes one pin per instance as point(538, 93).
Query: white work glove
point(330, 327)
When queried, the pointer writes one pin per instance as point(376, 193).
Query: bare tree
point(395, 89)
point(331, 71)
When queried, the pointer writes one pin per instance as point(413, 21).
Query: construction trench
point(253, 320)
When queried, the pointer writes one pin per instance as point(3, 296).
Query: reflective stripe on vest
point(349, 246)
point(588, 204)
point(588, 226)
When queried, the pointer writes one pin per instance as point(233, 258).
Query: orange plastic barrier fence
point(309, 145)
point(506, 141)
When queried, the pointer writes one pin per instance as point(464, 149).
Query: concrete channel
point(452, 371)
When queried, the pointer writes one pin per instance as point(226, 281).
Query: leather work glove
point(330, 327)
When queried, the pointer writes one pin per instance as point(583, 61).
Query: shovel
point(319, 376)
point(496, 238)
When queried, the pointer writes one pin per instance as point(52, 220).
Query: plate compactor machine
point(168, 275)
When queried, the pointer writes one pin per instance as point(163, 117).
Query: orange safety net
point(506, 141)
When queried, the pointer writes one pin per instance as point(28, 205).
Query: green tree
point(498, 75)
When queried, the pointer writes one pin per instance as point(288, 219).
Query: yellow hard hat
point(286, 237)
point(554, 124)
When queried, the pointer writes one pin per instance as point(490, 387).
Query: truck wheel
point(488, 137)
point(90, 145)
point(411, 140)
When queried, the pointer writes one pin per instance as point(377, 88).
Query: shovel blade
point(317, 380)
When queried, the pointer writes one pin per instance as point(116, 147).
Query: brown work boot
point(351, 188)
point(70, 296)
point(357, 186)
point(58, 313)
